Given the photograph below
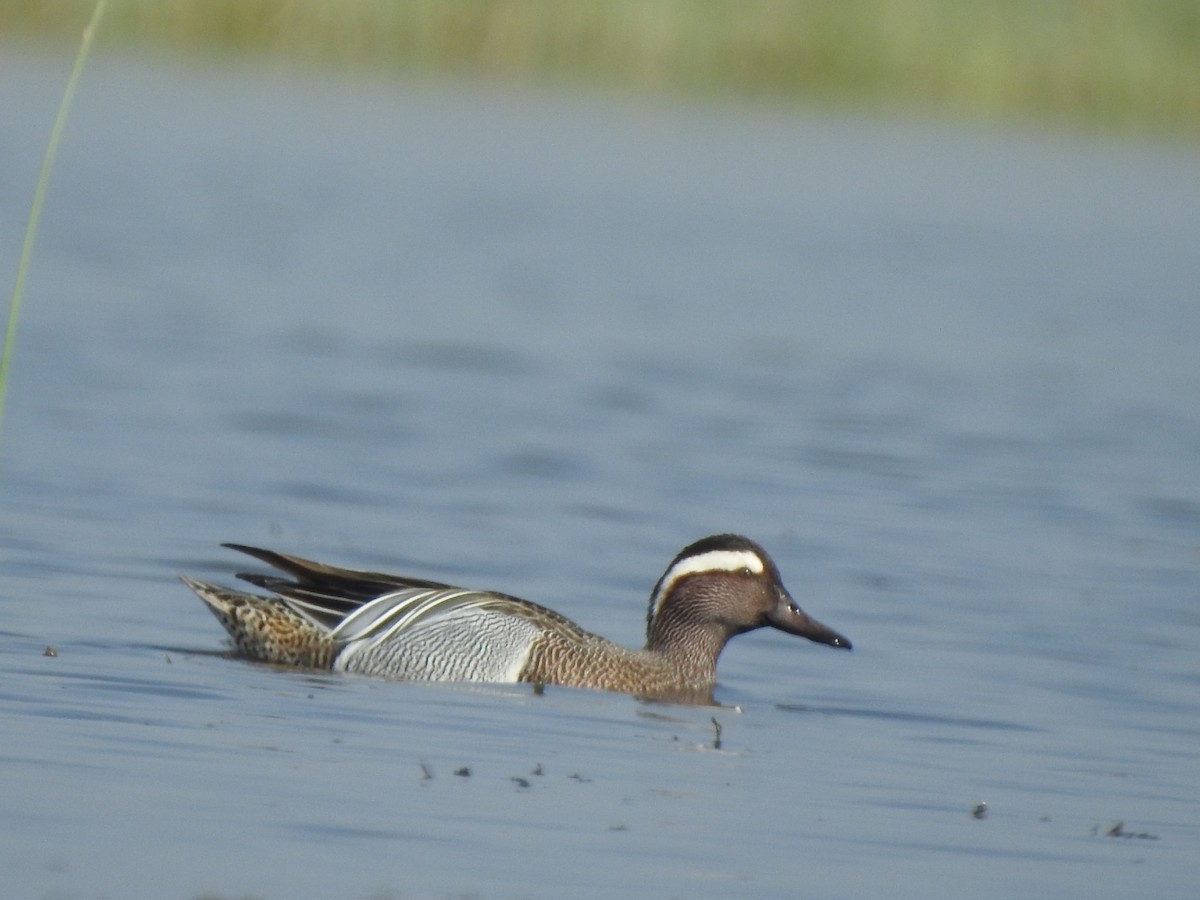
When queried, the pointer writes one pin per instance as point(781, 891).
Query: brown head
point(718, 587)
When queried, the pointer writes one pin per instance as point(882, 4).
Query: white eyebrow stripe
point(712, 561)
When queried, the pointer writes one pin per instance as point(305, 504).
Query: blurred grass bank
point(1117, 64)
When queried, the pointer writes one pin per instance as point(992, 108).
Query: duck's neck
point(691, 648)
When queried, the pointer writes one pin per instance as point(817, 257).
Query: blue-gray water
point(538, 342)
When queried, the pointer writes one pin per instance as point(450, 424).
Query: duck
point(398, 627)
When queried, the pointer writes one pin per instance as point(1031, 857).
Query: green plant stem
point(35, 211)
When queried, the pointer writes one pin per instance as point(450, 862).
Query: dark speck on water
point(536, 341)
point(1119, 831)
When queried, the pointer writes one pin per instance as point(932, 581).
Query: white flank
point(435, 635)
point(712, 561)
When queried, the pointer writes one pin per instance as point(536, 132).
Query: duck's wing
point(392, 614)
point(326, 594)
point(355, 605)
point(442, 634)
point(406, 611)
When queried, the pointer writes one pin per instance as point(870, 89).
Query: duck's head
point(721, 586)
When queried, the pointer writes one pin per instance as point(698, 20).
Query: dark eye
point(745, 572)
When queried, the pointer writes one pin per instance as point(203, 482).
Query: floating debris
point(1118, 831)
point(520, 782)
point(426, 772)
point(463, 772)
point(50, 651)
point(716, 734)
point(979, 810)
point(537, 769)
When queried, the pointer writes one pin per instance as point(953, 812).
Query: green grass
point(1131, 64)
point(39, 194)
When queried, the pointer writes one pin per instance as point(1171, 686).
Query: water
point(537, 342)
